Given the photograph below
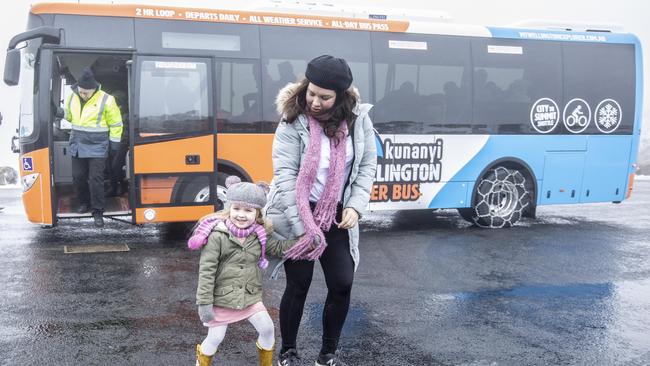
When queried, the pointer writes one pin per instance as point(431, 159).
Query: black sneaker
point(98, 219)
point(289, 358)
point(329, 359)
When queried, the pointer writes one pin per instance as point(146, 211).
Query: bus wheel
point(501, 196)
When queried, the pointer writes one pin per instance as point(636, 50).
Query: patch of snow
point(11, 186)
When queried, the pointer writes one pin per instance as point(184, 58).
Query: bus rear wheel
point(500, 197)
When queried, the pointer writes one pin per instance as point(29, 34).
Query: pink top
point(223, 316)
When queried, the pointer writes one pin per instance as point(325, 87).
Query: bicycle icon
point(579, 116)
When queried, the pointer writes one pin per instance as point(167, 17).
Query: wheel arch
point(223, 166)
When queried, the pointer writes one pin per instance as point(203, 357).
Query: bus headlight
point(28, 181)
point(149, 214)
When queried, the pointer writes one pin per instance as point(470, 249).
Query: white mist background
point(632, 15)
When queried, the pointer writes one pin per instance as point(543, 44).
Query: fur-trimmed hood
point(284, 107)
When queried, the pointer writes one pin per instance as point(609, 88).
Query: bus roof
point(376, 24)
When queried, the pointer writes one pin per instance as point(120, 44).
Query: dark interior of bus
point(111, 73)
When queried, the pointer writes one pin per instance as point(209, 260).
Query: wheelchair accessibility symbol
point(577, 115)
point(28, 165)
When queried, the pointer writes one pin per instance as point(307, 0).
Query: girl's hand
point(349, 219)
point(205, 313)
point(315, 243)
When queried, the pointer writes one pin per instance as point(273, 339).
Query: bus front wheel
point(500, 197)
point(198, 190)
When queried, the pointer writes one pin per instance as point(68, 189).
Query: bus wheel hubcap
point(503, 199)
point(202, 195)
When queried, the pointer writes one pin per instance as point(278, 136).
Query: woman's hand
point(349, 219)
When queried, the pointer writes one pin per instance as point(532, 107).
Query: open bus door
point(25, 65)
point(172, 138)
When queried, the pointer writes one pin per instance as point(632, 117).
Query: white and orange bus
point(492, 121)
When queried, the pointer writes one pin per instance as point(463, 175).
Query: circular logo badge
point(608, 116)
point(576, 115)
point(544, 115)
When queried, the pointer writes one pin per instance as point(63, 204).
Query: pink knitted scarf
point(203, 229)
point(324, 214)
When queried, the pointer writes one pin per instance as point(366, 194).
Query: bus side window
point(239, 97)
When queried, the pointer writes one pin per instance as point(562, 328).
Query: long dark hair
point(342, 109)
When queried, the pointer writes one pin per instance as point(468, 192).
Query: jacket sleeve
point(208, 266)
point(277, 247)
point(113, 118)
point(286, 164)
point(362, 184)
point(67, 112)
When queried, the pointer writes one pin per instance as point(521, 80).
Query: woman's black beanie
point(329, 72)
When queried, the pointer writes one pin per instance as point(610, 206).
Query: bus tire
point(195, 190)
point(500, 198)
point(198, 190)
point(468, 214)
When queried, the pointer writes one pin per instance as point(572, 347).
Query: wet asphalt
point(571, 287)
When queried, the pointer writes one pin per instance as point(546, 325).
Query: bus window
point(418, 88)
point(592, 74)
point(282, 64)
point(508, 77)
point(27, 85)
point(239, 95)
point(174, 98)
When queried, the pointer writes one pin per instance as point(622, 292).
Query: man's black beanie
point(329, 72)
point(87, 79)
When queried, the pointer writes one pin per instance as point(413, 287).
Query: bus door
point(25, 66)
point(172, 139)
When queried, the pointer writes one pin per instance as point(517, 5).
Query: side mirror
point(12, 67)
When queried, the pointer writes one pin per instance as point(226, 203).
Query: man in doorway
point(96, 126)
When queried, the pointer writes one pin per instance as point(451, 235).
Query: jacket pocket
point(252, 288)
point(223, 291)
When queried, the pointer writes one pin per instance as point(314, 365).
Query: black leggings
point(338, 268)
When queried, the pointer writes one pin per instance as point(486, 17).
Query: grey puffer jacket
point(289, 148)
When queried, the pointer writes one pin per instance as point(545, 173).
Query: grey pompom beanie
point(245, 193)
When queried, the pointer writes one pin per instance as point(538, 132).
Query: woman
point(324, 162)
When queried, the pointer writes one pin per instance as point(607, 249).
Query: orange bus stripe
point(252, 152)
point(173, 214)
point(221, 16)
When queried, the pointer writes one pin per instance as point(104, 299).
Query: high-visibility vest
point(99, 114)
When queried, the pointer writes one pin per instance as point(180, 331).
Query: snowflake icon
point(608, 115)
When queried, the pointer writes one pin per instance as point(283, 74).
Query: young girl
point(235, 242)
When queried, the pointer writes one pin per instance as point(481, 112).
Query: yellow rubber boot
point(266, 356)
point(201, 359)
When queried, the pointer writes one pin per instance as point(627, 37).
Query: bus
point(491, 121)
